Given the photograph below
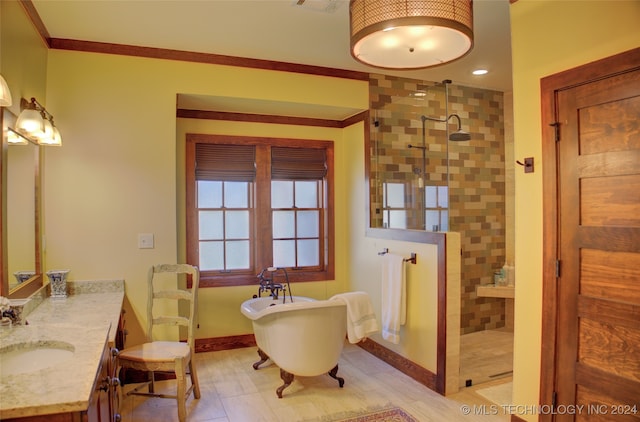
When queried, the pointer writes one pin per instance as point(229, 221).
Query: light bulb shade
point(5, 94)
point(410, 34)
point(30, 122)
point(47, 132)
point(54, 140)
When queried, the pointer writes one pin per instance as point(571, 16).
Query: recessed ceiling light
point(480, 72)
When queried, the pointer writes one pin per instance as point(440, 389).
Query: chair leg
point(182, 390)
point(194, 379)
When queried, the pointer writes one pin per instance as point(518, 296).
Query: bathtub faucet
point(267, 284)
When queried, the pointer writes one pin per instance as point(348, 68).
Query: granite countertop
point(86, 319)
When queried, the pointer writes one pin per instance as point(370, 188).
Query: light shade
point(410, 34)
point(54, 140)
point(5, 94)
point(30, 122)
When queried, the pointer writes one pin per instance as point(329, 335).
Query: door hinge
point(557, 268)
point(556, 126)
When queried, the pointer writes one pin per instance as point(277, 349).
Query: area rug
point(394, 414)
point(498, 394)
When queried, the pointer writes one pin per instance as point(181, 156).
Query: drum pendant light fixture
point(410, 34)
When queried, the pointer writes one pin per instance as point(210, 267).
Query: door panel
point(610, 275)
point(598, 286)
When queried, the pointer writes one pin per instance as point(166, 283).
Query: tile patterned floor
point(232, 391)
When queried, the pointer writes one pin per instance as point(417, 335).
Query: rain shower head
point(459, 136)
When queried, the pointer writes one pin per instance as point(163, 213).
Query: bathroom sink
point(21, 358)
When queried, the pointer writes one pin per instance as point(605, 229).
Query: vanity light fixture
point(5, 94)
point(401, 34)
point(36, 123)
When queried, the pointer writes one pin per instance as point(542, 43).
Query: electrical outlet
point(145, 240)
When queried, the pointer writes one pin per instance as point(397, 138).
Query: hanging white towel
point(394, 305)
point(361, 320)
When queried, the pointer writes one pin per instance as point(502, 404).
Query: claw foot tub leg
point(333, 375)
point(263, 359)
point(287, 378)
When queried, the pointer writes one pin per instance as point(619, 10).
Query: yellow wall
point(119, 171)
point(548, 37)
point(23, 55)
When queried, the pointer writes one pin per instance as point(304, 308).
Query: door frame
point(549, 87)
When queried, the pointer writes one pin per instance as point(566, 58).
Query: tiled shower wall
point(474, 172)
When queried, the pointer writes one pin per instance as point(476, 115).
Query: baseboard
point(402, 364)
point(224, 343)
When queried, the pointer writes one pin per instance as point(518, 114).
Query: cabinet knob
point(117, 418)
point(114, 351)
point(105, 384)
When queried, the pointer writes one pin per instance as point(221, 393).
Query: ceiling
point(314, 33)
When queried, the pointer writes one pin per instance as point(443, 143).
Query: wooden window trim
point(262, 228)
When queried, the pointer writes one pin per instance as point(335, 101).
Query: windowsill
point(252, 280)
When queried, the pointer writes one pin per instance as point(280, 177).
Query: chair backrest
point(176, 294)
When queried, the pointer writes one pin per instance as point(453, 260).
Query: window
point(396, 212)
point(436, 208)
point(394, 207)
point(254, 203)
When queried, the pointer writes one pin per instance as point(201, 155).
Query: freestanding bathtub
point(304, 337)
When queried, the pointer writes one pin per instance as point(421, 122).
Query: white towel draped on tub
point(361, 320)
point(394, 305)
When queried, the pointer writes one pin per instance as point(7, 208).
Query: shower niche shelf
point(491, 290)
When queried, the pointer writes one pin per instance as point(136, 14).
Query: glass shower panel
point(409, 165)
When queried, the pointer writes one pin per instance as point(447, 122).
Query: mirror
point(22, 272)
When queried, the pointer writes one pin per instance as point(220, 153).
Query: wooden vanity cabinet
point(103, 404)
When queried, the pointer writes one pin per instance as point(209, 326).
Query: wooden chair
point(167, 356)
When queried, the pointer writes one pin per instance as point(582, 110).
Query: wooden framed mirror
point(21, 268)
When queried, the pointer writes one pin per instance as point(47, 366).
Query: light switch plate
point(145, 240)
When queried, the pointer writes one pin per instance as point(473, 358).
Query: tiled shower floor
point(486, 356)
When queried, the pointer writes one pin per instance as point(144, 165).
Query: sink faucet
point(11, 314)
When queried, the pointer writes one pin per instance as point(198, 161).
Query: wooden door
point(596, 371)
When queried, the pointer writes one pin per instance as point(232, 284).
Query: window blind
point(298, 163)
point(225, 162)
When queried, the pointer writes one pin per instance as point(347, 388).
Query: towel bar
point(412, 260)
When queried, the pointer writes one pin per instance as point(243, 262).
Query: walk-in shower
point(417, 198)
